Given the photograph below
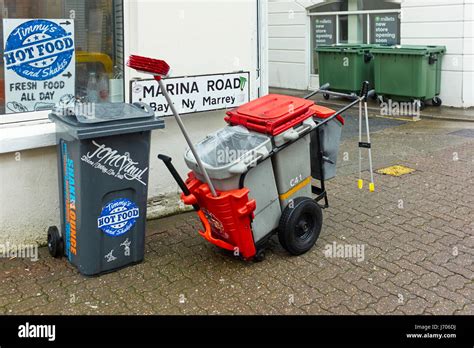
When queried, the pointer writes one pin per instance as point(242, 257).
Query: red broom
point(159, 69)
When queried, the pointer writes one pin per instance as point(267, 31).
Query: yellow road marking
point(397, 170)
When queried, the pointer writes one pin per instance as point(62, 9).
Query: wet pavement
point(413, 243)
point(442, 112)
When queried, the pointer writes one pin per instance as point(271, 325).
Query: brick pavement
point(417, 232)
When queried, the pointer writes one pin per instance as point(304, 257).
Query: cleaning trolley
point(253, 178)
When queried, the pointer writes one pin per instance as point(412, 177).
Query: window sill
point(27, 135)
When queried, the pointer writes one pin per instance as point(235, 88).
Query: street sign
point(194, 93)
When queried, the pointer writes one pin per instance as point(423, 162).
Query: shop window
point(97, 52)
point(353, 22)
point(352, 29)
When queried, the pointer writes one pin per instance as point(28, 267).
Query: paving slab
point(416, 230)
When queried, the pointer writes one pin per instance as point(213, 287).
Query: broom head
point(157, 68)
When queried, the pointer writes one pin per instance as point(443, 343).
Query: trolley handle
point(241, 167)
point(182, 185)
point(253, 162)
point(364, 90)
point(303, 129)
point(324, 87)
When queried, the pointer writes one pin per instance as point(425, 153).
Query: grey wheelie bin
point(103, 166)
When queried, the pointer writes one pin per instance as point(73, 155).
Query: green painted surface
point(408, 72)
point(345, 67)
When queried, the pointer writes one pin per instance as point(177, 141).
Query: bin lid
point(352, 48)
point(271, 114)
point(91, 120)
point(324, 112)
point(409, 49)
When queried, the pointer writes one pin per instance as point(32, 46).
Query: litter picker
point(367, 144)
point(160, 69)
point(362, 101)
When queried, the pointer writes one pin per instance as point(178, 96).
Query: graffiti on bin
point(126, 247)
point(110, 256)
point(70, 212)
point(113, 163)
point(118, 217)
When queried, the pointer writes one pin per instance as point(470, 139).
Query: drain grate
point(466, 133)
point(397, 170)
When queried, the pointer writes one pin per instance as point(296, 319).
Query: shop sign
point(324, 30)
point(39, 63)
point(385, 29)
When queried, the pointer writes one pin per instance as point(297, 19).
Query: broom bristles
point(152, 66)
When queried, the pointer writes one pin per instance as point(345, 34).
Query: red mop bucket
point(226, 218)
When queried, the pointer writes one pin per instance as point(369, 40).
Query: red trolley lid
point(271, 114)
point(324, 112)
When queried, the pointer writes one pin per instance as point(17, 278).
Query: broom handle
point(186, 136)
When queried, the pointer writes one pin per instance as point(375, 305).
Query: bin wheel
point(326, 96)
point(55, 242)
point(420, 104)
point(300, 225)
point(260, 255)
point(436, 101)
point(380, 99)
point(374, 96)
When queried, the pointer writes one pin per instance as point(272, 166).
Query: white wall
point(195, 37)
point(28, 195)
point(424, 22)
point(289, 43)
point(448, 23)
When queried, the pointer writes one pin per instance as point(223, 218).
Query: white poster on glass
point(39, 63)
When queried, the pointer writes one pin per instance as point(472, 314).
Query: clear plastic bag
point(229, 145)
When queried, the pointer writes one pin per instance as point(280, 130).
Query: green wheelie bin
point(345, 66)
point(408, 73)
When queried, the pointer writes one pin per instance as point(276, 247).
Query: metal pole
point(322, 88)
point(360, 183)
point(186, 136)
point(368, 140)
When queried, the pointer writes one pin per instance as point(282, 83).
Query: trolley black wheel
point(300, 225)
point(55, 242)
point(260, 255)
point(436, 101)
point(326, 96)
